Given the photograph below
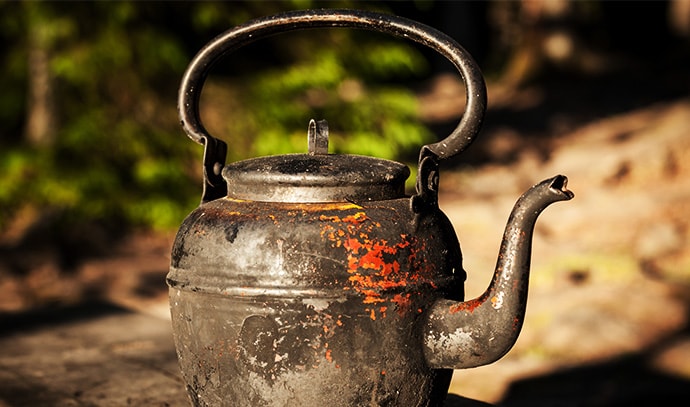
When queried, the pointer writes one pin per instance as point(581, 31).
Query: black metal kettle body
point(312, 279)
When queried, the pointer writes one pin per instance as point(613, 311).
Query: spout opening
point(559, 183)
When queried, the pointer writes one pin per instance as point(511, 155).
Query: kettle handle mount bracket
point(215, 150)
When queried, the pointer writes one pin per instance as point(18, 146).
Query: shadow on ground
point(624, 381)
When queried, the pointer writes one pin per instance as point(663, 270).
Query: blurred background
point(96, 173)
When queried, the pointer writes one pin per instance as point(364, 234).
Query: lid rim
point(315, 178)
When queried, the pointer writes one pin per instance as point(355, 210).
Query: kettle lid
point(316, 176)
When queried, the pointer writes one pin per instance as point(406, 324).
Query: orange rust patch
point(382, 310)
point(469, 306)
point(402, 301)
point(376, 264)
point(316, 206)
point(356, 218)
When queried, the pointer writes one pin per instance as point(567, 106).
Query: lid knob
point(317, 137)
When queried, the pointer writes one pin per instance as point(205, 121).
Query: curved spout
point(480, 331)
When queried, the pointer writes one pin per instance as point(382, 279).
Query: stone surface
point(92, 355)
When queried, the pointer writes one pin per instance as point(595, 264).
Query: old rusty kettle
point(313, 280)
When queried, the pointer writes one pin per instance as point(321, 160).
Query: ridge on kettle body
point(312, 279)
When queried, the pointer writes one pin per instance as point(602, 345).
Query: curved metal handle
point(197, 71)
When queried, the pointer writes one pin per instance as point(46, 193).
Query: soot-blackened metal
point(316, 281)
point(314, 301)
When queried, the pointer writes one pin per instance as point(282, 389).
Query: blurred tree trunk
point(41, 117)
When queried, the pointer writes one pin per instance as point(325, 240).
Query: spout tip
point(559, 184)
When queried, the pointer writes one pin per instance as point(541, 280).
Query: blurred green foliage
point(345, 82)
point(117, 155)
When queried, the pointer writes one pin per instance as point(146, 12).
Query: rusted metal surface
point(317, 281)
point(310, 303)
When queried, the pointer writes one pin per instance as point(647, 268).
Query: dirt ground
point(607, 314)
point(607, 318)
